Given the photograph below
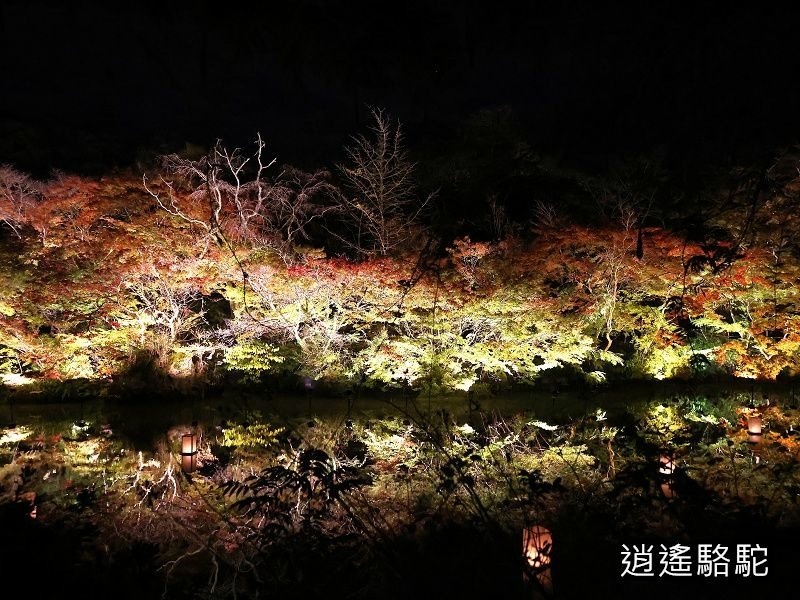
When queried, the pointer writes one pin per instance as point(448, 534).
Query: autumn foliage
point(98, 275)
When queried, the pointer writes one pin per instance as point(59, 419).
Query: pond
point(365, 496)
point(142, 423)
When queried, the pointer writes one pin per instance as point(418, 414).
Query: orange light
point(537, 542)
point(188, 444)
point(754, 429)
point(188, 452)
point(754, 425)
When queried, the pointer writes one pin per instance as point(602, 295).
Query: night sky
point(87, 88)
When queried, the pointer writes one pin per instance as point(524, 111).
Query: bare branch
point(231, 196)
point(18, 194)
point(380, 204)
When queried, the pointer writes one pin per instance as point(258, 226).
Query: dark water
point(143, 422)
point(459, 560)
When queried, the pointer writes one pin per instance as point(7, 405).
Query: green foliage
point(106, 281)
point(663, 425)
point(736, 328)
point(714, 412)
point(574, 465)
point(250, 436)
point(253, 358)
point(390, 440)
point(10, 361)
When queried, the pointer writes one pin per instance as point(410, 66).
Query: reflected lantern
point(188, 463)
point(668, 489)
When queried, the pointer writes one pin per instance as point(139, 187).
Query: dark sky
point(89, 87)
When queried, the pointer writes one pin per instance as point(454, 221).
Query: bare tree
point(293, 207)
point(379, 202)
point(230, 194)
point(631, 193)
point(616, 272)
point(498, 217)
point(161, 313)
point(18, 194)
point(545, 215)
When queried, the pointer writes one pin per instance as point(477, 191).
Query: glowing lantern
point(188, 452)
point(188, 443)
point(666, 466)
point(537, 542)
point(754, 425)
point(754, 430)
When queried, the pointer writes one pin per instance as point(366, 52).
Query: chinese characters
point(709, 560)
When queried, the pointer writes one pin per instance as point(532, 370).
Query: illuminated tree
point(231, 195)
point(313, 311)
point(379, 203)
point(18, 194)
point(161, 315)
point(615, 273)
